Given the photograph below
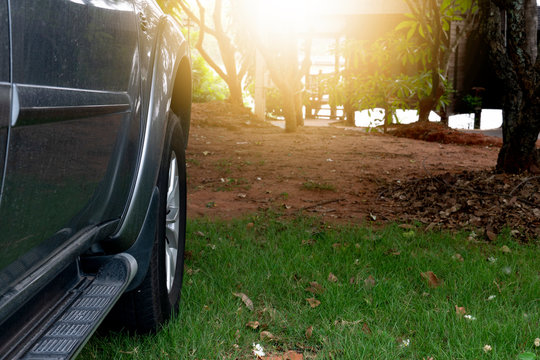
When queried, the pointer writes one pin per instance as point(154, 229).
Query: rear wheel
point(152, 303)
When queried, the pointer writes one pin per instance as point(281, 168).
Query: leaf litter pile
point(479, 200)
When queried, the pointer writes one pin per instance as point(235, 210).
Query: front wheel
point(147, 307)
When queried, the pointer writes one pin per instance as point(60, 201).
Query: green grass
point(273, 262)
point(317, 186)
point(230, 184)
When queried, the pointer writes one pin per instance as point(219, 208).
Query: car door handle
point(15, 105)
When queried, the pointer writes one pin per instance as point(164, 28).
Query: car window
point(56, 42)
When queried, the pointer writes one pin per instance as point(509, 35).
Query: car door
point(5, 86)
point(73, 134)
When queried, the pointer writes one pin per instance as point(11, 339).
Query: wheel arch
point(182, 96)
point(169, 89)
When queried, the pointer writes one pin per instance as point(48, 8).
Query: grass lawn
point(367, 297)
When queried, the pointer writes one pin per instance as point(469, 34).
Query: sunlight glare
point(286, 15)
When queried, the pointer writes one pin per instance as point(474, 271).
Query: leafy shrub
point(274, 102)
point(207, 86)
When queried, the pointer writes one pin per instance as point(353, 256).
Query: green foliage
point(473, 102)
point(274, 102)
point(377, 78)
point(207, 86)
point(431, 43)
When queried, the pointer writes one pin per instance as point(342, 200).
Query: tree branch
point(244, 68)
point(194, 17)
point(200, 48)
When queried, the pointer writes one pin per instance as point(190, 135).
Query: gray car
point(95, 100)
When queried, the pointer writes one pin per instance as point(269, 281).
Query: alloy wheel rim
point(172, 222)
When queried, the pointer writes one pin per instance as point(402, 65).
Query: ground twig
point(321, 204)
point(523, 183)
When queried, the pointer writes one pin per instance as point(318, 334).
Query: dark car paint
point(74, 112)
point(84, 141)
point(5, 85)
point(165, 62)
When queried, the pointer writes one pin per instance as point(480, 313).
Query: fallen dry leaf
point(313, 302)
point(506, 249)
point(406, 226)
point(293, 355)
point(393, 252)
point(247, 301)
point(253, 324)
point(308, 242)
point(315, 288)
point(273, 357)
point(432, 279)
point(431, 226)
point(366, 329)
point(332, 278)
point(458, 257)
point(289, 355)
point(370, 281)
point(309, 332)
point(491, 235)
point(267, 335)
point(460, 311)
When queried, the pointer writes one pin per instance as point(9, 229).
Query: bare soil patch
point(237, 166)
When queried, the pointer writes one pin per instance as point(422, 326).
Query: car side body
point(88, 89)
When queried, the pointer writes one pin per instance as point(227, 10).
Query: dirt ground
point(237, 166)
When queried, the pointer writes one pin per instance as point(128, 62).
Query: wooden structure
point(346, 19)
point(338, 19)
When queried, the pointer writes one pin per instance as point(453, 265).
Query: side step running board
point(66, 331)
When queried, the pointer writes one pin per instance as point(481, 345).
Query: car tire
point(147, 307)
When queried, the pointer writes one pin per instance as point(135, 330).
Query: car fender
point(170, 51)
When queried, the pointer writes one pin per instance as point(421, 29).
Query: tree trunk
point(350, 114)
point(388, 114)
point(298, 109)
point(235, 93)
point(520, 134)
point(349, 111)
point(444, 116)
point(424, 108)
point(477, 118)
point(517, 67)
point(427, 104)
point(289, 111)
